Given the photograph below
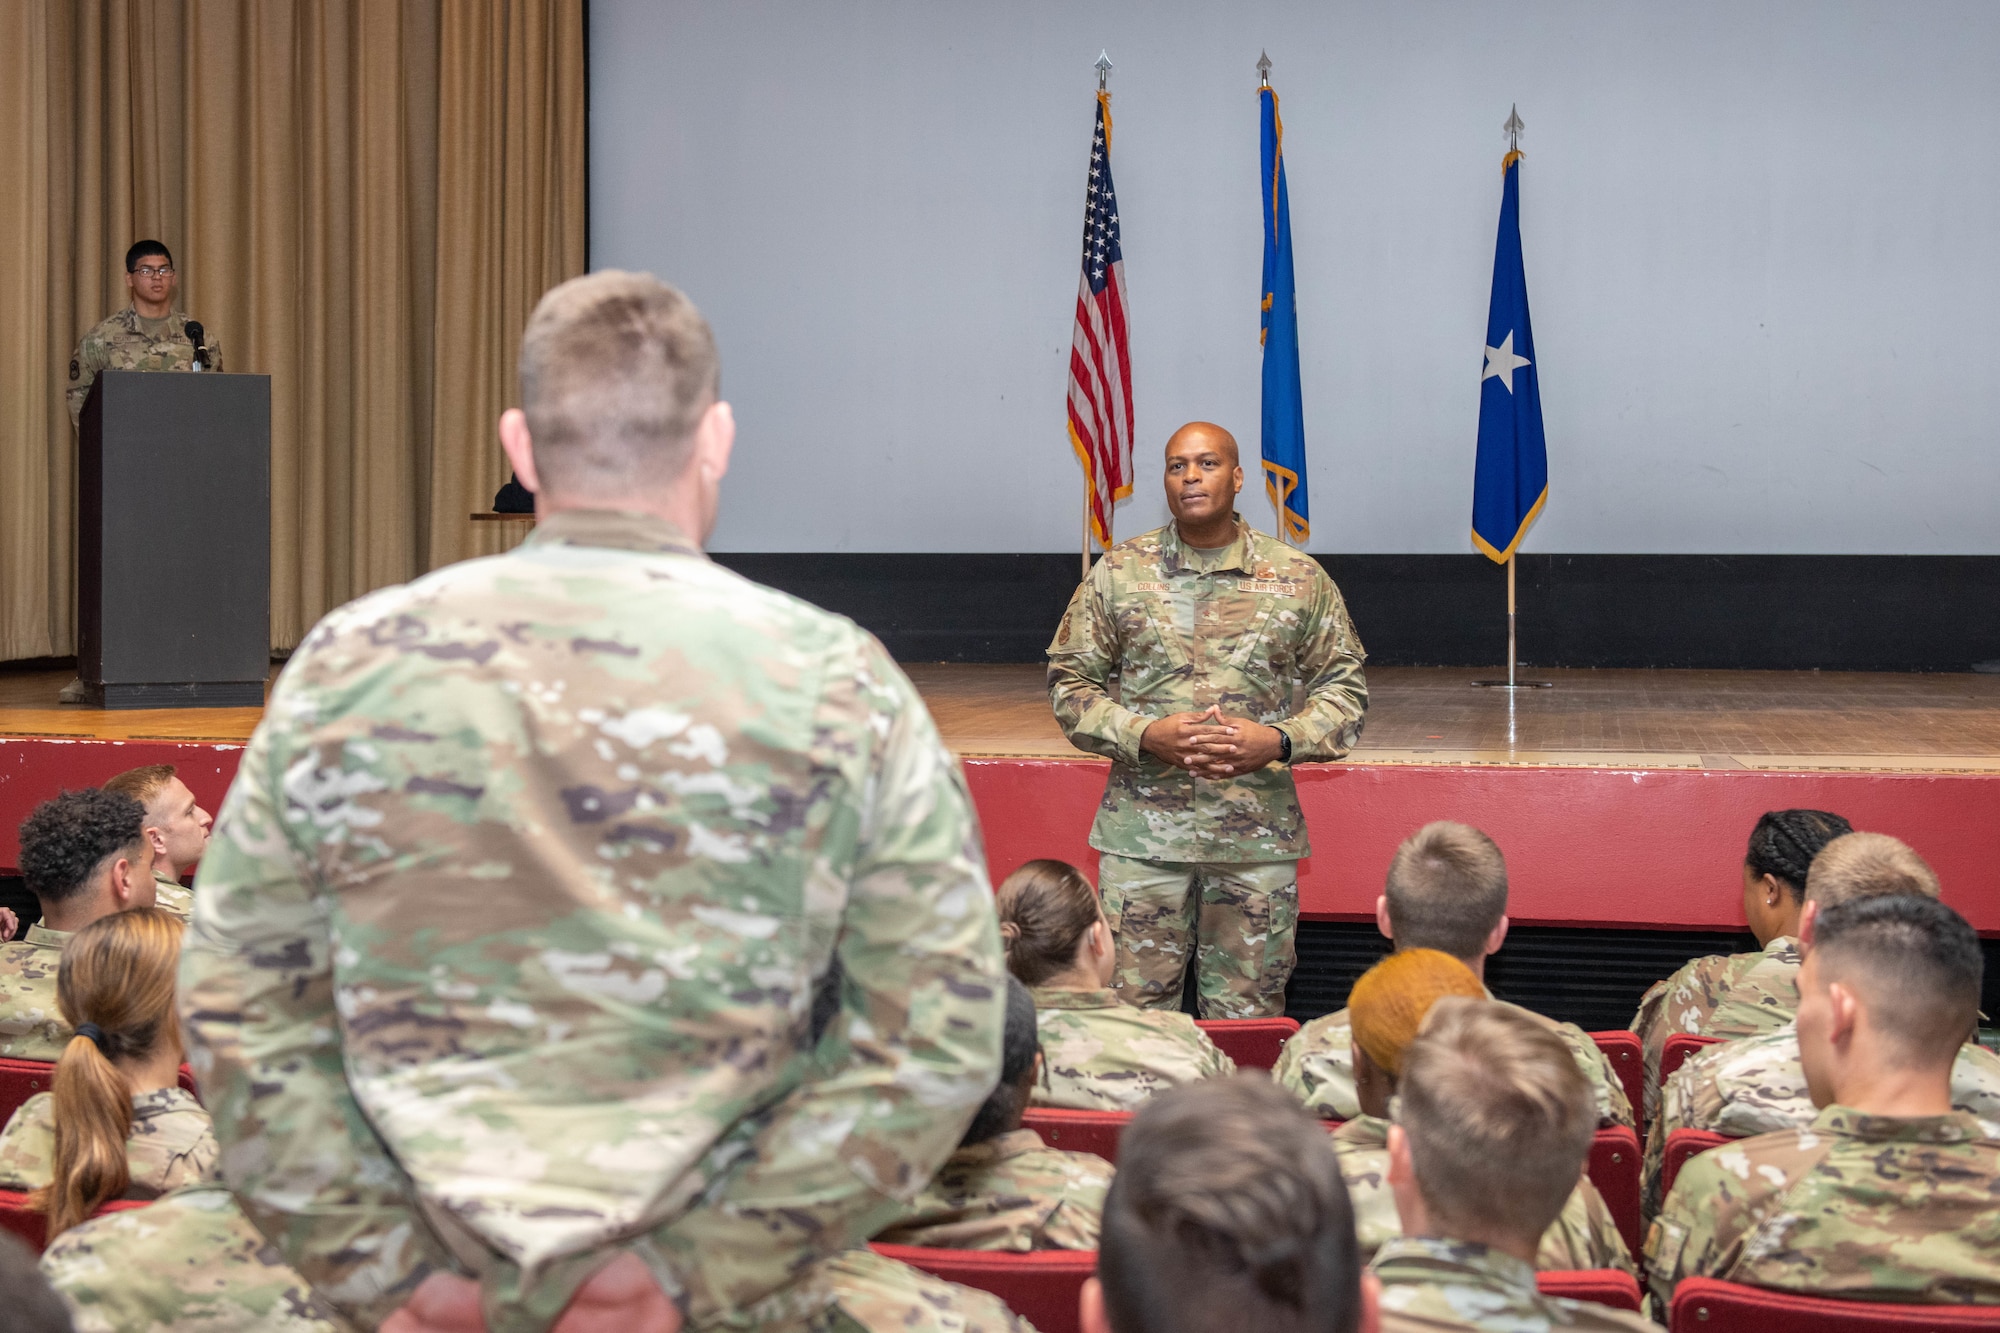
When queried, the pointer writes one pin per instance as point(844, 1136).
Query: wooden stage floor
point(1770, 720)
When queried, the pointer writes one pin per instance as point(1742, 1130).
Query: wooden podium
point(174, 540)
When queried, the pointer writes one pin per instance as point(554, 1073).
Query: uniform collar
point(1848, 1123)
point(1783, 948)
point(1178, 557)
point(1426, 1259)
point(1075, 999)
point(39, 934)
point(162, 877)
point(613, 528)
point(998, 1149)
point(1364, 1131)
point(162, 1101)
point(129, 316)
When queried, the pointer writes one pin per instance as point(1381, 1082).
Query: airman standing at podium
point(148, 334)
point(1178, 660)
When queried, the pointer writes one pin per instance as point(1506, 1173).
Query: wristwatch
point(1284, 745)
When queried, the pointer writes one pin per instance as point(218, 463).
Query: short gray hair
point(616, 370)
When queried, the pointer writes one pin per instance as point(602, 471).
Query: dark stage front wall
point(1754, 612)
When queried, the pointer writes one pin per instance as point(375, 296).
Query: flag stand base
point(1514, 684)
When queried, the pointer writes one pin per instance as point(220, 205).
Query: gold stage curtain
point(364, 199)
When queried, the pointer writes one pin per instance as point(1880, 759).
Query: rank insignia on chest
point(1150, 587)
point(1275, 587)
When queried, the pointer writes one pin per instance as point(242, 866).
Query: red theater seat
point(1041, 1287)
point(1253, 1043)
point(187, 1083)
point(1677, 1050)
point(1606, 1286)
point(1705, 1305)
point(1628, 1061)
point(30, 1226)
point(20, 1080)
point(1613, 1167)
point(1683, 1144)
point(1079, 1131)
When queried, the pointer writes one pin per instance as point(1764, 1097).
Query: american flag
point(1100, 368)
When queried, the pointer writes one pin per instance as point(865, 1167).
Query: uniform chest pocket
point(1151, 642)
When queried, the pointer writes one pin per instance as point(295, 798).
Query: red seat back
point(23, 1221)
point(1677, 1050)
point(1078, 1131)
point(32, 1227)
point(1705, 1305)
point(1042, 1287)
point(20, 1080)
point(1681, 1145)
point(1613, 1166)
point(187, 1083)
point(1628, 1060)
point(1253, 1043)
point(1606, 1286)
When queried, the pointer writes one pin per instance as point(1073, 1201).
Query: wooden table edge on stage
point(495, 516)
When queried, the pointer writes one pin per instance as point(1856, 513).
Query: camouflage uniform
point(170, 895)
point(170, 1144)
point(1010, 1193)
point(31, 1024)
point(506, 943)
point(871, 1294)
point(1317, 1064)
point(125, 342)
point(1895, 1208)
point(190, 1261)
point(1158, 628)
point(1756, 1085)
point(1101, 1054)
point(1429, 1286)
point(1584, 1235)
point(1722, 995)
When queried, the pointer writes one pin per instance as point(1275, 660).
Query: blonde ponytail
point(116, 987)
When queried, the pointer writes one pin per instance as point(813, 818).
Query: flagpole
point(1512, 129)
point(1103, 67)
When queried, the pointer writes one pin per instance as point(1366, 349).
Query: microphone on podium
point(199, 337)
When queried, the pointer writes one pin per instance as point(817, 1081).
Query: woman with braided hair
point(1744, 994)
point(1100, 1054)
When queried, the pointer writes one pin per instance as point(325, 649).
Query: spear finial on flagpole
point(1263, 69)
point(1103, 69)
point(1514, 126)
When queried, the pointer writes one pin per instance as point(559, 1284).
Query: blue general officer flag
point(1284, 412)
point(1511, 480)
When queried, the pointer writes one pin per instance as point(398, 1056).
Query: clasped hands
point(1211, 744)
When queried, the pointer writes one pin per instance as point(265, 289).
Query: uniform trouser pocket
point(1150, 906)
point(1240, 922)
point(1247, 937)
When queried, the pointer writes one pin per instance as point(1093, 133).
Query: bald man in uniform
point(1209, 631)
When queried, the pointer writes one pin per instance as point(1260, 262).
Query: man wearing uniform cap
point(1179, 659)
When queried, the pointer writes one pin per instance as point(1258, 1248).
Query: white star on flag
point(1502, 363)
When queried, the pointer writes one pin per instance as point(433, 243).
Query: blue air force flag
point(1511, 479)
point(1284, 411)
